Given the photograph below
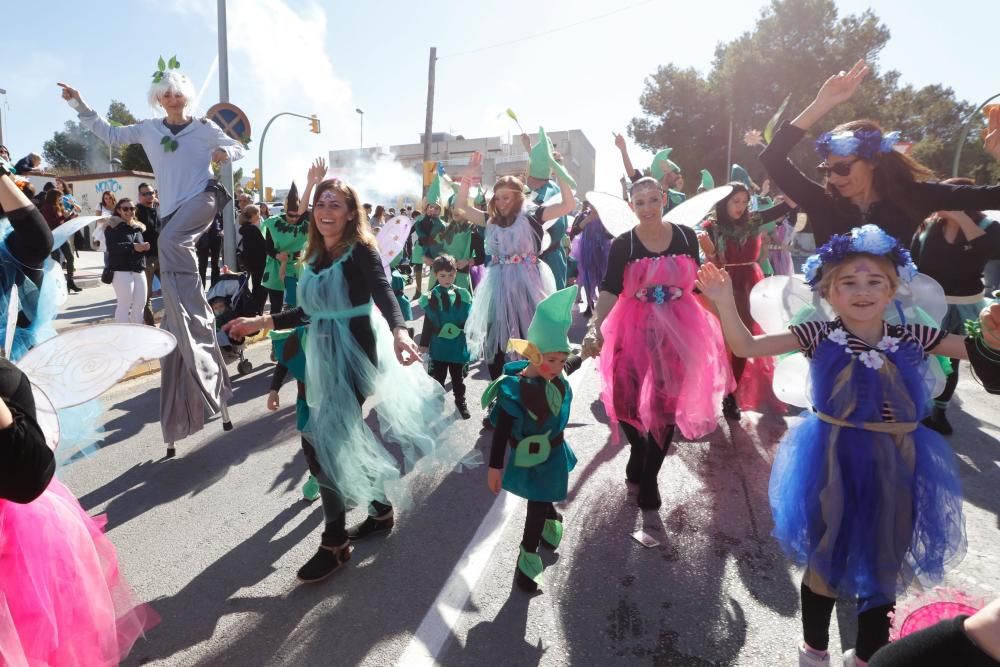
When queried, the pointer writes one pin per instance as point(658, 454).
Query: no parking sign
point(232, 120)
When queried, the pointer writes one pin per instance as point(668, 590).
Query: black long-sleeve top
point(830, 214)
point(628, 247)
point(150, 217)
point(957, 266)
point(365, 281)
point(26, 462)
point(30, 243)
point(254, 247)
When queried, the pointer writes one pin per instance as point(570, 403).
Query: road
point(214, 537)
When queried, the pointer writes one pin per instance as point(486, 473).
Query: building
point(501, 157)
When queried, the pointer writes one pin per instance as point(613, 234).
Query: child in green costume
point(445, 310)
point(285, 236)
point(542, 160)
point(533, 400)
point(427, 228)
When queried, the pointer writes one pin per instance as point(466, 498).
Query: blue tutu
point(867, 509)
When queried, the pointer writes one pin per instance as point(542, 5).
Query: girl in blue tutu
point(863, 495)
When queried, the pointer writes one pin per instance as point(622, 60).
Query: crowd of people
point(864, 490)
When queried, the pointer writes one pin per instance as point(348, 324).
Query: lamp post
point(4, 93)
point(361, 145)
point(965, 133)
point(313, 120)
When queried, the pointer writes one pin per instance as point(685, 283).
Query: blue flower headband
point(868, 239)
point(866, 144)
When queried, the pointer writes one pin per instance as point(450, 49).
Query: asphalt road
point(214, 537)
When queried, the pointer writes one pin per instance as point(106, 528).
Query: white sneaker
point(850, 660)
point(808, 658)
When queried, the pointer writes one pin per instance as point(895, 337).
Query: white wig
point(172, 80)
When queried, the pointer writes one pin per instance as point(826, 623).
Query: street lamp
point(361, 146)
point(314, 124)
point(965, 133)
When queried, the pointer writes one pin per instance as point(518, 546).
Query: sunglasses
point(147, 193)
point(126, 208)
point(840, 169)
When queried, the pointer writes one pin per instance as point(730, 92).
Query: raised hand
point(841, 87)
point(714, 282)
point(992, 143)
point(619, 141)
point(69, 92)
point(707, 247)
point(317, 172)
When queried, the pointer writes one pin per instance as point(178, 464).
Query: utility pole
point(429, 121)
point(228, 214)
point(3, 93)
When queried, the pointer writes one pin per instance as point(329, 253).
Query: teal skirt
point(545, 482)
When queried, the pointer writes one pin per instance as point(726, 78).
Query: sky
point(583, 66)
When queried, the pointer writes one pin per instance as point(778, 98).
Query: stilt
point(171, 452)
point(227, 424)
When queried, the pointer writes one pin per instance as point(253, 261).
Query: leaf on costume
point(554, 397)
point(173, 64)
point(164, 141)
point(160, 64)
point(173, 145)
point(771, 124)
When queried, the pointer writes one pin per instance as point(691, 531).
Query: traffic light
point(430, 169)
point(255, 182)
point(314, 124)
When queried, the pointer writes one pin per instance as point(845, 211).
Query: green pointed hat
point(549, 328)
point(541, 162)
point(661, 160)
point(738, 173)
point(434, 193)
point(707, 181)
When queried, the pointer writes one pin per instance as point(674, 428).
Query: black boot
point(325, 562)
point(938, 421)
point(371, 526)
point(72, 286)
point(463, 408)
point(729, 408)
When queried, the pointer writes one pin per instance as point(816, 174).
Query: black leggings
point(534, 523)
point(949, 385)
point(873, 624)
point(496, 366)
point(439, 371)
point(739, 365)
point(645, 454)
point(206, 249)
point(277, 297)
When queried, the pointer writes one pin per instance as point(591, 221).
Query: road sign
point(232, 120)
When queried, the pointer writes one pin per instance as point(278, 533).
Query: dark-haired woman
point(735, 239)
point(867, 181)
point(953, 248)
point(349, 352)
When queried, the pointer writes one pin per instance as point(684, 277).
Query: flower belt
point(892, 428)
point(526, 258)
point(786, 248)
point(659, 294)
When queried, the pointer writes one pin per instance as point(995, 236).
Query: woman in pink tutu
point(62, 599)
point(662, 356)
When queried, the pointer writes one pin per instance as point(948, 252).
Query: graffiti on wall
point(108, 185)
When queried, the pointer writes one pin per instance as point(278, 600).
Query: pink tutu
point(62, 599)
point(663, 363)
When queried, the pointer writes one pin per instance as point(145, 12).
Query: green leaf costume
point(446, 309)
point(286, 237)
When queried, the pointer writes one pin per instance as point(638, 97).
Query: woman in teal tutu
point(357, 345)
point(862, 494)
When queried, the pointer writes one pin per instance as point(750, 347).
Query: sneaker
point(371, 526)
point(729, 408)
point(809, 658)
point(310, 490)
point(324, 562)
point(463, 408)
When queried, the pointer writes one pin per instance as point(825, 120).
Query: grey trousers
point(193, 378)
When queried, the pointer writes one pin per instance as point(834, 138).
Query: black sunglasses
point(126, 208)
point(147, 193)
point(840, 169)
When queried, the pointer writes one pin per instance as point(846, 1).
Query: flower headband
point(162, 67)
point(868, 239)
point(866, 144)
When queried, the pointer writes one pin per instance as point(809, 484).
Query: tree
point(792, 48)
point(133, 156)
point(76, 150)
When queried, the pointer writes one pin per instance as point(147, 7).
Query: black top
point(628, 248)
point(24, 166)
point(253, 247)
point(29, 242)
point(149, 216)
point(365, 281)
point(957, 266)
point(26, 462)
point(831, 215)
point(942, 644)
point(119, 243)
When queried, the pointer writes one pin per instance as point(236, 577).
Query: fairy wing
point(13, 306)
point(63, 232)
point(615, 213)
point(777, 301)
point(693, 211)
point(46, 416)
point(80, 365)
point(391, 239)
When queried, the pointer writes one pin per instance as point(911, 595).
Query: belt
point(535, 449)
point(740, 264)
point(786, 248)
point(971, 300)
point(514, 259)
point(892, 428)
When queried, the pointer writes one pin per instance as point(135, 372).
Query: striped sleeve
point(808, 335)
point(928, 337)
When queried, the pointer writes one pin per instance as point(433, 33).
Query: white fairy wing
point(792, 380)
point(693, 210)
point(923, 297)
point(777, 301)
point(615, 213)
point(80, 365)
point(13, 306)
point(62, 233)
point(391, 239)
point(46, 416)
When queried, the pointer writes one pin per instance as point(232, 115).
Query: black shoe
point(324, 562)
point(938, 421)
point(72, 286)
point(587, 314)
point(524, 582)
point(370, 526)
point(729, 408)
point(171, 453)
point(649, 497)
point(463, 408)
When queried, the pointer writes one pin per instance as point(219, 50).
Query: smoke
point(382, 181)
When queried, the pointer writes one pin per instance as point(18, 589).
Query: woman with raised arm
point(181, 149)
point(867, 181)
point(515, 280)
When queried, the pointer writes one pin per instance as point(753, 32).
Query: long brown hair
point(357, 230)
point(894, 172)
point(52, 204)
point(511, 183)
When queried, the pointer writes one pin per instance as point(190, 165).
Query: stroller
point(230, 298)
